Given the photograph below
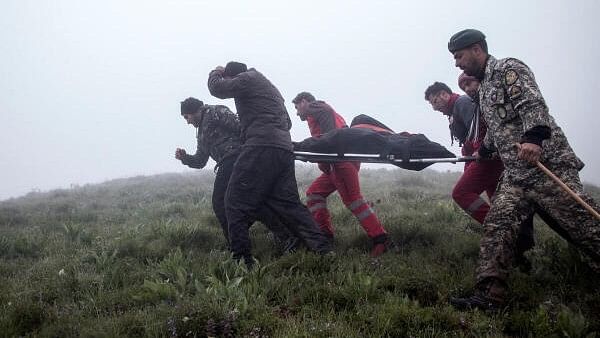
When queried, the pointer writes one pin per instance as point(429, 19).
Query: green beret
point(464, 39)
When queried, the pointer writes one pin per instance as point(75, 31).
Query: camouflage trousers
point(514, 203)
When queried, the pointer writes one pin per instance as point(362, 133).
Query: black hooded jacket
point(264, 119)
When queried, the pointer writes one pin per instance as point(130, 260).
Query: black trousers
point(219, 190)
point(287, 238)
point(264, 177)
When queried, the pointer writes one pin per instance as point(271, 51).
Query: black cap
point(464, 39)
point(190, 105)
point(234, 68)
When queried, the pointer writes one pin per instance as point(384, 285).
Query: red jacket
point(322, 118)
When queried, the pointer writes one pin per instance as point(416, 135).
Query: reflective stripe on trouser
point(343, 178)
point(477, 209)
point(367, 218)
point(477, 178)
point(317, 205)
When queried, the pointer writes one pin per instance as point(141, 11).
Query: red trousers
point(342, 177)
point(477, 178)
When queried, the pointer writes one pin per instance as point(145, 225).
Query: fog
point(90, 91)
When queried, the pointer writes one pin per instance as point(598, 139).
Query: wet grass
point(144, 257)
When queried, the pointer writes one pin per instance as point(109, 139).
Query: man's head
point(301, 102)
point(470, 51)
point(438, 95)
point(469, 84)
point(189, 110)
point(234, 68)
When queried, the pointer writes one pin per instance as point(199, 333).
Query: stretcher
point(374, 144)
point(306, 156)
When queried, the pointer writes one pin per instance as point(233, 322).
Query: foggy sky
point(90, 91)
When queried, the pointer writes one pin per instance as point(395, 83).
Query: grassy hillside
point(145, 257)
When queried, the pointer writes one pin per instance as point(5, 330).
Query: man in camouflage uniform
point(466, 127)
point(264, 173)
point(522, 131)
point(218, 135)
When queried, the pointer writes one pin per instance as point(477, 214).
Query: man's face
point(191, 119)
point(439, 101)
point(466, 60)
point(302, 109)
point(471, 87)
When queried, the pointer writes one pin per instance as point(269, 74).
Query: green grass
point(144, 257)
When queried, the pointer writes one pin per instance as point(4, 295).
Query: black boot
point(488, 296)
point(249, 260)
point(292, 245)
point(476, 301)
point(523, 263)
point(381, 244)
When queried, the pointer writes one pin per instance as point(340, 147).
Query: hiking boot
point(489, 296)
point(523, 264)
point(330, 240)
point(476, 302)
point(381, 244)
point(248, 260)
point(292, 245)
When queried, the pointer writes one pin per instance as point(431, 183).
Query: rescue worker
point(217, 133)
point(523, 132)
point(340, 176)
point(463, 118)
point(264, 173)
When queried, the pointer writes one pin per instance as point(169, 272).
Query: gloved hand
point(325, 167)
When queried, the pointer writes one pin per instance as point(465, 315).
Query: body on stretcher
point(360, 144)
point(306, 156)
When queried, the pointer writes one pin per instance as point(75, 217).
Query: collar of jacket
point(490, 66)
point(450, 104)
point(202, 111)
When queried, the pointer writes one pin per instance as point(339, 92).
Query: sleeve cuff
point(536, 135)
point(186, 159)
point(485, 152)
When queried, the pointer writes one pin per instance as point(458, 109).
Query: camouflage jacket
point(512, 106)
point(218, 136)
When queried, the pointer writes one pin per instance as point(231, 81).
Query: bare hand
point(529, 152)
point(180, 153)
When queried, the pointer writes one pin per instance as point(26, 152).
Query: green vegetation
point(144, 257)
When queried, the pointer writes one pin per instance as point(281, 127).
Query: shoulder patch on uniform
point(514, 92)
point(510, 77)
